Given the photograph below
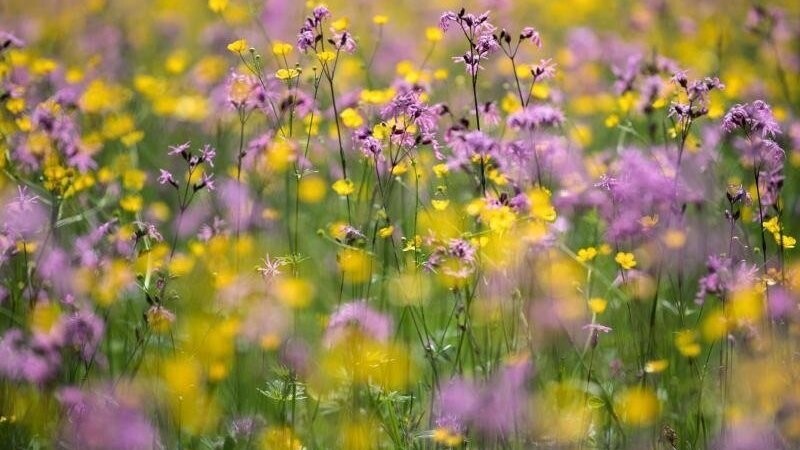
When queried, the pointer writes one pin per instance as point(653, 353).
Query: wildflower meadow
point(368, 224)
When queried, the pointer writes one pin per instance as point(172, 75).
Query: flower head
point(752, 118)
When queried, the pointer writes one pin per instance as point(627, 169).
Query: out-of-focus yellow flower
point(134, 179)
point(181, 265)
point(625, 260)
point(447, 437)
point(440, 170)
point(280, 438)
point(217, 6)
point(351, 118)
point(45, 316)
point(15, 105)
point(280, 48)
point(499, 219)
point(656, 366)
point(343, 187)
point(386, 232)
point(279, 156)
point(340, 24)
point(686, 342)
point(355, 264)
point(400, 168)
point(176, 62)
point(193, 108)
point(238, 46)
point(131, 203)
point(311, 189)
point(287, 74)
point(295, 293)
point(101, 96)
point(326, 56)
point(380, 19)
point(43, 66)
point(376, 97)
point(433, 34)
point(540, 206)
point(598, 305)
point(586, 254)
point(638, 406)
point(746, 305)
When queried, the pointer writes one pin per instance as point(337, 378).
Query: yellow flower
point(540, 205)
point(238, 46)
point(587, 254)
point(131, 203)
point(446, 437)
point(625, 260)
point(343, 187)
point(217, 5)
point(386, 232)
point(772, 225)
point(326, 56)
point(311, 189)
point(380, 19)
point(612, 121)
point(355, 264)
point(351, 118)
point(340, 24)
point(440, 170)
point(638, 406)
point(598, 305)
point(287, 74)
point(295, 293)
point(15, 105)
point(280, 48)
point(784, 241)
point(433, 34)
point(686, 342)
point(656, 366)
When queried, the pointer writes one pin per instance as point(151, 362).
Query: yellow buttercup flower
point(326, 56)
point(597, 305)
point(638, 406)
point(433, 34)
point(351, 118)
point(784, 240)
point(238, 46)
point(280, 48)
point(380, 19)
point(386, 232)
point(343, 187)
point(287, 74)
point(772, 225)
point(625, 260)
point(587, 254)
